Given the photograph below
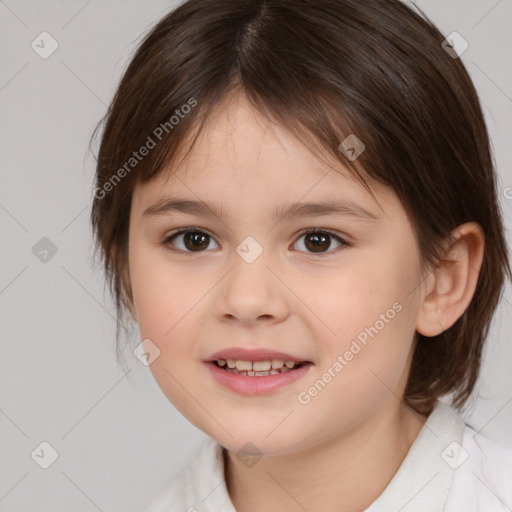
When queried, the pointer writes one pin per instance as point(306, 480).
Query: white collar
point(424, 478)
point(421, 483)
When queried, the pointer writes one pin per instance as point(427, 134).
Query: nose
point(251, 293)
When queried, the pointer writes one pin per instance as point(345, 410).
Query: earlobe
point(452, 283)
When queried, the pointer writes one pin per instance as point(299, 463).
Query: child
point(296, 202)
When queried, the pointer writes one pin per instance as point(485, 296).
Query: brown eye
point(317, 242)
point(195, 241)
point(320, 241)
point(192, 241)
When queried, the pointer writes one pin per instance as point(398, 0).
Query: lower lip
point(250, 385)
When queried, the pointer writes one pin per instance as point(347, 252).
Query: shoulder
point(184, 491)
point(483, 477)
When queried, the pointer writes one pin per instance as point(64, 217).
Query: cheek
point(160, 294)
point(358, 376)
point(168, 307)
point(370, 317)
point(351, 301)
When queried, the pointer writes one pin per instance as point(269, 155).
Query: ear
point(452, 284)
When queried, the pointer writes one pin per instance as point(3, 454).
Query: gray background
point(118, 438)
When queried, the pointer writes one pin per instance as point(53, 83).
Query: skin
point(354, 433)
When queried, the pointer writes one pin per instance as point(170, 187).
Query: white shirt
point(449, 468)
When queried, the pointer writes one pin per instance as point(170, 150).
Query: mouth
point(256, 371)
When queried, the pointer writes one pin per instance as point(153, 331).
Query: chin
point(254, 442)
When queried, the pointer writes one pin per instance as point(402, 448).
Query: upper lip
point(260, 354)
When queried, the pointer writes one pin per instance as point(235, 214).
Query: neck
point(344, 474)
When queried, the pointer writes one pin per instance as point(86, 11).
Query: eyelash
point(169, 238)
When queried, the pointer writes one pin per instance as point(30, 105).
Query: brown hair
point(322, 69)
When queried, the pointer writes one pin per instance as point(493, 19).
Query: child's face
point(291, 299)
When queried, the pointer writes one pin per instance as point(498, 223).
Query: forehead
point(242, 158)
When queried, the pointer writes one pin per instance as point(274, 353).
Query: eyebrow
point(339, 208)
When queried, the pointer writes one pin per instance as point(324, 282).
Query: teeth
point(260, 366)
point(257, 368)
point(244, 365)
